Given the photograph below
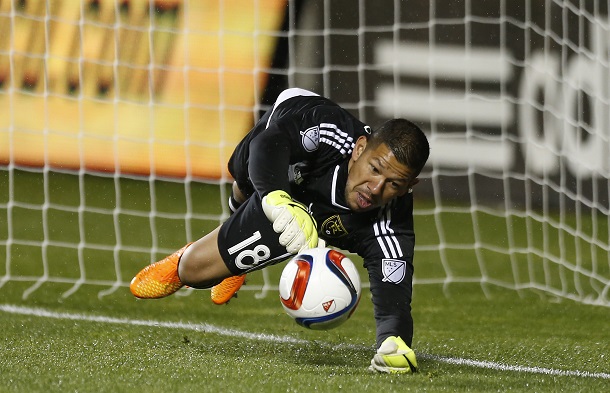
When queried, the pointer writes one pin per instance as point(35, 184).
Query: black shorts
point(247, 240)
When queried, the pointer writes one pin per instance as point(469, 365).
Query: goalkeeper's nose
point(376, 186)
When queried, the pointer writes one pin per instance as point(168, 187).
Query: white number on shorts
point(259, 254)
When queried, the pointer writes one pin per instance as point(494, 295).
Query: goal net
point(118, 117)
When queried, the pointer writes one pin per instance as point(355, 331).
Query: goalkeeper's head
point(406, 140)
point(385, 165)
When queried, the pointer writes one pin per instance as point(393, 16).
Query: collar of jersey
point(337, 191)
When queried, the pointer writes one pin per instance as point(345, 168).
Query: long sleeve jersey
point(303, 146)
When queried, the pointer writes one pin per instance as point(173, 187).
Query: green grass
point(61, 354)
point(473, 337)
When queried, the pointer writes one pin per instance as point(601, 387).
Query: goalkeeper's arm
point(270, 154)
point(297, 228)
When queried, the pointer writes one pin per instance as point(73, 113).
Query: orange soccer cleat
point(159, 279)
point(223, 292)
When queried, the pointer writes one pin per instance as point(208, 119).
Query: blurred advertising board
point(139, 86)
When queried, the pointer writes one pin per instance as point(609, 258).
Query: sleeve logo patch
point(310, 138)
point(393, 270)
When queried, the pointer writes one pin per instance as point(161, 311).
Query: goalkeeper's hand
point(394, 356)
point(297, 228)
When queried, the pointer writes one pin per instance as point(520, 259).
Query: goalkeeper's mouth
point(363, 202)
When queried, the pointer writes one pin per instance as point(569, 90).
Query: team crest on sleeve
point(310, 138)
point(393, 270)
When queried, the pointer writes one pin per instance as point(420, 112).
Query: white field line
point(208, 328)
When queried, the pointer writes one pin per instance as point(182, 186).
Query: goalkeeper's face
point(375, 177)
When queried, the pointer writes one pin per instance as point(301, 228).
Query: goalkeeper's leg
point(227, 289)
point(243, 243)
point(198, 265)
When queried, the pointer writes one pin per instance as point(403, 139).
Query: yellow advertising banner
point(135, 86)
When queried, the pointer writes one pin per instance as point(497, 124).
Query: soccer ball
point(320, 288)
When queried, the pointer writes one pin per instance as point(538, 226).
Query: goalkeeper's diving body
point(309, 168)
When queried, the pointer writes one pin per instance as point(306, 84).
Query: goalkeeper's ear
point(412, 184)
point(359, 147)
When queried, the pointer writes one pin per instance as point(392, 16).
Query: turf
point(469, 337)
point(185, 343)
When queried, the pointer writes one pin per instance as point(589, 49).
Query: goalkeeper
point(309, 168)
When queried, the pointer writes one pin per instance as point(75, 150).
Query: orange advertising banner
point(135, 86)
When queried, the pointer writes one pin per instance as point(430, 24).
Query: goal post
point(119, 117)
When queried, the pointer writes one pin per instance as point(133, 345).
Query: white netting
point(513, 94)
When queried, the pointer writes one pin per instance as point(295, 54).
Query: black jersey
point(384, 234)
point(314, 137)
point(310, 132)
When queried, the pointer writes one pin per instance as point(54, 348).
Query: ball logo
point(310, 138)
point(329, 306)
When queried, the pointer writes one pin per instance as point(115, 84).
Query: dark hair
point(406, 140)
